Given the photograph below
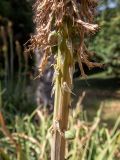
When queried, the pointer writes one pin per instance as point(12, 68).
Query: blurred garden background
point(26, 105)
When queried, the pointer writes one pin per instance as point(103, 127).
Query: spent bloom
point(50, 15)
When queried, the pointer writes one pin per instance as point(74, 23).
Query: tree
point(106, 43)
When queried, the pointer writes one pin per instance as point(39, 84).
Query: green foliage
point(91, 140)
point(106, 43)
point(14, 76)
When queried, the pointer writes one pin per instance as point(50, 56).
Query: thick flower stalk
point(61, 27)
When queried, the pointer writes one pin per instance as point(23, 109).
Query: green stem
point(10, 34)
point(57, 87)
point(62, 100)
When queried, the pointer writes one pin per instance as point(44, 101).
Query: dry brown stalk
point(63, 24)
point(26, 137)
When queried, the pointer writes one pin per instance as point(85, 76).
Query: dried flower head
point(50, 15)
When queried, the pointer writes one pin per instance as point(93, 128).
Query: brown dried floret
point(49, 17)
